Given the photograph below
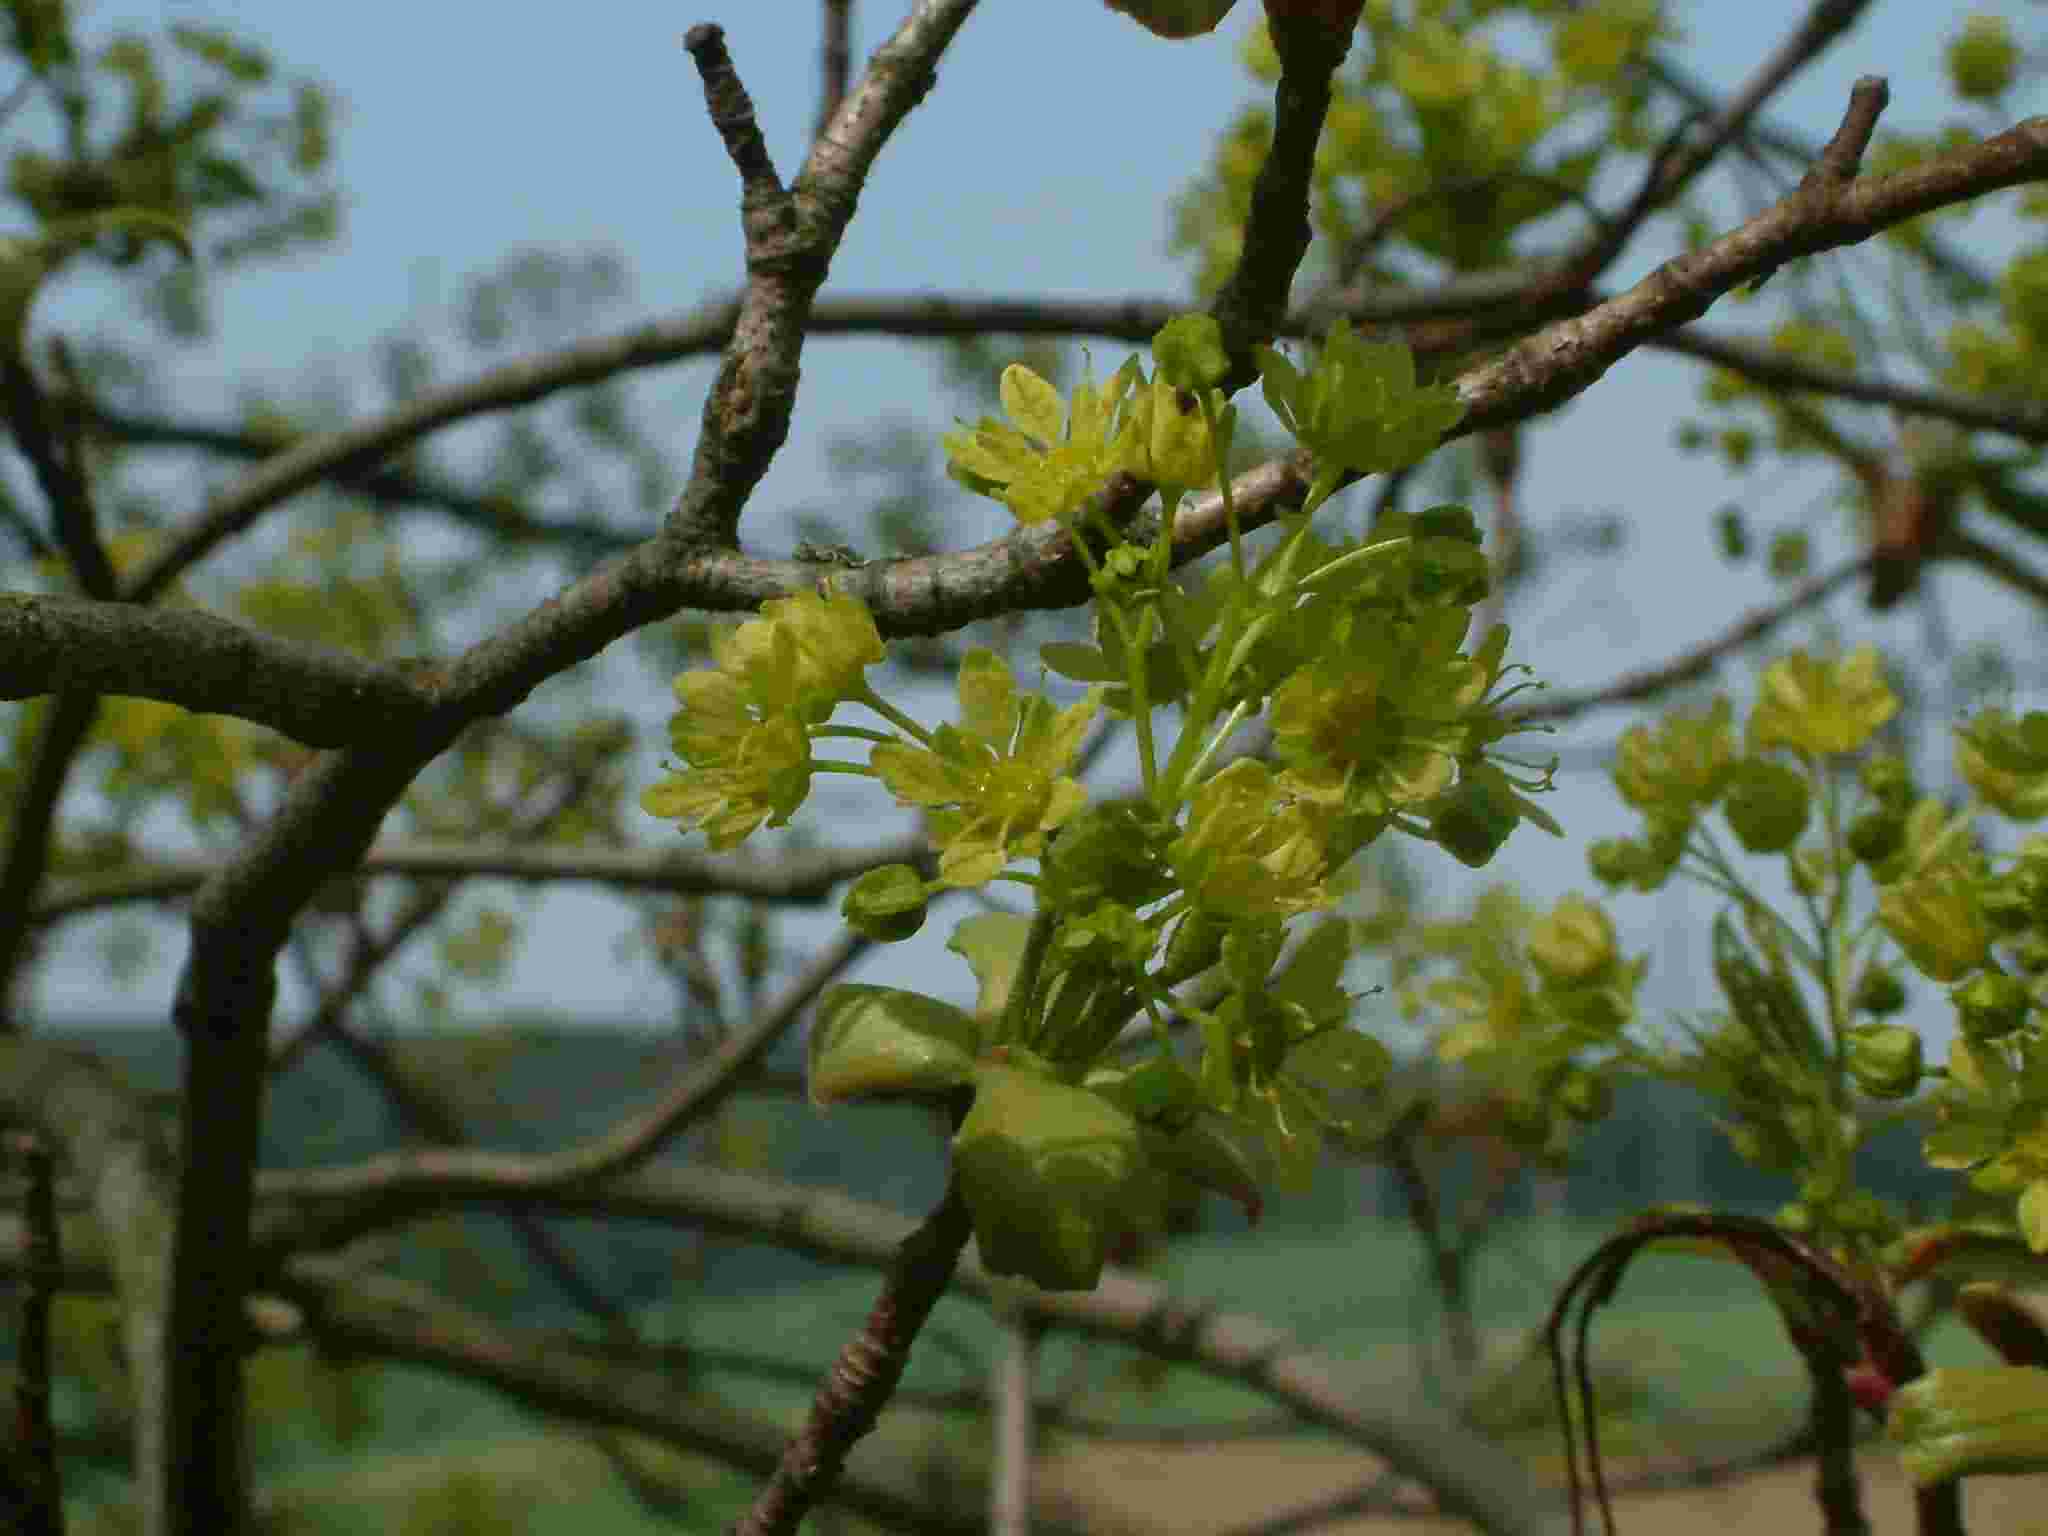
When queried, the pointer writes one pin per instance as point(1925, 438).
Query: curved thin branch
point(1648, 682)
point(498, 516)
point(1763, 364)
point(1476, 1479)
point(804, 878)
point(1824, 22)
point(388, 1318)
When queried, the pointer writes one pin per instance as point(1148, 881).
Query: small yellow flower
point(1820, 706)
point(804, 653)
point(1167, 439)
point(1251, 848)
point(761, 775)
point(997, 782)
point(1679, 765)
point(1047, 459)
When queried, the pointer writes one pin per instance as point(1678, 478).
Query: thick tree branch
point(1252, 302)
point(240, 917)
point(32, 825)
point(203, 663)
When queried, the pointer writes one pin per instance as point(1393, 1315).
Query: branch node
point(732, 110)
point(1844, 152)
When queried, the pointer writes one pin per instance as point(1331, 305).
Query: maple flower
point(1251, 847)
point(1047, 458)
point(1385, 711)
point(1679, 765)
point(744, 764)
point(997, 782)
point(1821, 706)
point(804, 653)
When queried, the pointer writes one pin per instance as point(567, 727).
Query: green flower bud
point(1750, 1144)
point(1983, 58)
point(1887, 780)
point(1991, 1005)
point(1472, 821)
point(1821, 1187)
point(1875, 835)
point(886, 905)
point(2008, 901)
point(1861, 1211)
point(2030, 954)
point(1573, 944)
point(1585, 1096)
point(1189, 351)
point(1766, 804)
point(1880, 993)
point(1885, 1060)
point(1614, 861)
point(1449, 521)
point(1525, 1123)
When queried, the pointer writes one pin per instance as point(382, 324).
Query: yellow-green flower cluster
point(1677, 771)
point(743, 730)
point(1383, 715)
point(996, 783)
point(1252, 846)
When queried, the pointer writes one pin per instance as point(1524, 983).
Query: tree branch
point(1475, 1478)
point(240, 917)
point(1649, 682)
point(805, 877)
point(201, 662)
point(388, 1318)
point(495, 515)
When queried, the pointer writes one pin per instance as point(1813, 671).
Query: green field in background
point(1699, 1345)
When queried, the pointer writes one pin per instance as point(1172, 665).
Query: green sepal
point(1956, 1422)
point(1051, 1173)
point(883, 1043)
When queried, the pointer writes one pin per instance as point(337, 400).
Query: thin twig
point(866, 1373)
point(1698, 661)
point(835, 53)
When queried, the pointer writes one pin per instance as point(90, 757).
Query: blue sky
point(1043, 162)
